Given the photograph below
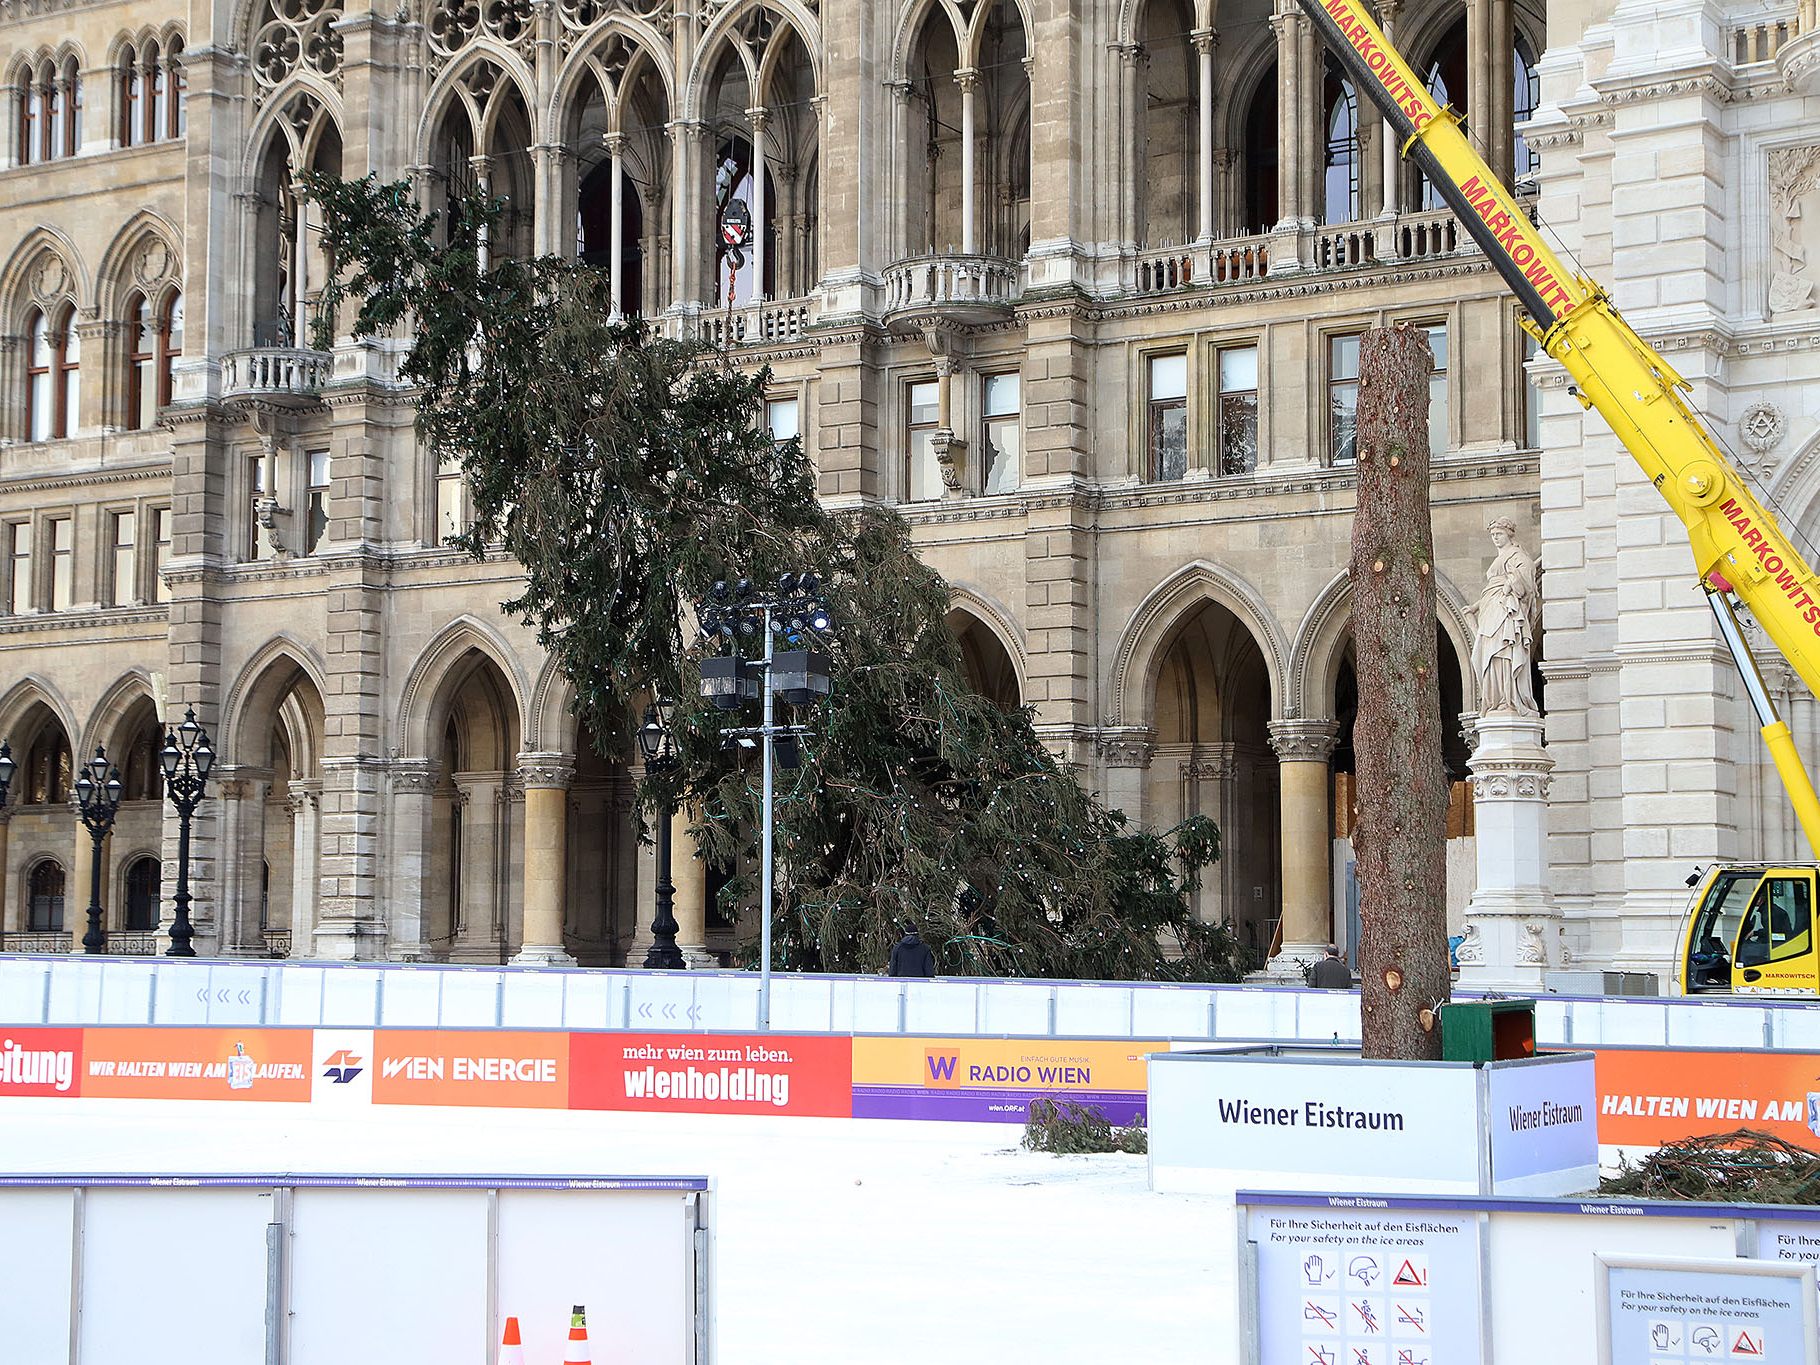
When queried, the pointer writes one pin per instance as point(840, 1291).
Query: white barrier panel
point(1538, 1280)
point(80, 990)
point(324, 1270)
point(1221, 1119)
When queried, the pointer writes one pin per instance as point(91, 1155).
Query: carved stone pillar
point(1514, 930)
point(968, 80)
point(303, 798)
point(1205, 40)
point(408, 877)
point(546, 785)
point(1127, 754)
point(1303, 748)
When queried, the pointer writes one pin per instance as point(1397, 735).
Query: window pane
point(1238, 433)
point(1004, 455)
point(1343, 357)
point(123, 589)
point(63, 563)
point(925, 404)
point(1238, 368)
point(925, 471)
point(1532, 398)
point(19, 565)
point(1438, 441)
point(1001, 395)
point(1168, 440)
point(161, 553)
point(783, 418)
point(1343, 403)
point(1169, 376)
point(319, 468)
point(450, 519)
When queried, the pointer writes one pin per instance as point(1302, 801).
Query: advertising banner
point(481, 1068)
point(1376, 1286)
point(1649, 1096)
point(710, 1073)
point(40, 1061)
point(1544, 1126)
point(197, 1064)
point(993, 1080)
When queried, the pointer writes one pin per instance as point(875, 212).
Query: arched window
point(31, 113)
point(54, 112)
point(72, 95)
point(1445, 78)
point(158, 96)
point(44, 897)
point(39, 361)
point(1260, 164)
point(170, 343)
point(141, 384)
point(130, 117)
point(1525, 160)
point(174, 124)
point(142, 895)
point(47, 769)
point(1340, 187)
point(142, 778)
point(67, 347)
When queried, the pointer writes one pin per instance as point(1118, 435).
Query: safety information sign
point(1364, 1286)
point(1666, 1311)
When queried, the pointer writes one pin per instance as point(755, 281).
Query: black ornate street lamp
point(186, 759)
point(7, 769)
point(657, 743)
point(98, 793)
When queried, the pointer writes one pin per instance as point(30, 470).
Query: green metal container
point(1488, 1030)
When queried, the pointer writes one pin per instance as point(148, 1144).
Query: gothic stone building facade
point(1076, 284)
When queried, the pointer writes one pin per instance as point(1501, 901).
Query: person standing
point(1331, 973)
point(911, 956)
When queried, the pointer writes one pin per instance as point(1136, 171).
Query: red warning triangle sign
point(1407, 1275)
point(1746, 1344)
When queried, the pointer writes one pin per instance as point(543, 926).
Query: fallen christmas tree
point(1744, 1166)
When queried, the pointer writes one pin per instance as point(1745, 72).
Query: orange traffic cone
point(512, 1349)
point(578, 1338)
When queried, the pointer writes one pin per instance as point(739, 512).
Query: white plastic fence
point(79, 990)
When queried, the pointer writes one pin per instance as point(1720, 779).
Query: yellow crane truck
point(1749, 927)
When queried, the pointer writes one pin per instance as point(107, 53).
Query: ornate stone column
point(968, 80)
point(1514, 930)
point(303, 798)
point(413, 793)
point(1205, 40)
point(1393, 164)
point(759, 117)
point(615, 144)
point(1303, 748)
point(546, 781)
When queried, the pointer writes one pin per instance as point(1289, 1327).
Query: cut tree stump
point(1400, 836)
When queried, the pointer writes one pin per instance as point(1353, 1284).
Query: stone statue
point(1505, 622)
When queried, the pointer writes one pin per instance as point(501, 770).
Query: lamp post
point(795, 611)
point(98, 793)
point(7, 769)
point(186, 759)
point(657, 742)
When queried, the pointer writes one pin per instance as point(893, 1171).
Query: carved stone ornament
point(1532, 949)
point(419, 781)
point(1506, 620)
point(1126, 753)
point(1794, 198)
point(153, 263)
point(49, 278)
point(543, 771)
point(1303, 741)
point(295, 34)
point(1472, 948)
point(1762, 426)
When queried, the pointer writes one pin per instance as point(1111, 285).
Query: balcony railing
point(1427, 236)
point(758, 324)
point(1235, 260)
point(133, 943)
point(966, 287)
point(277, 942)
point(1345, 246)
point(281, 376)
point(1762, 39)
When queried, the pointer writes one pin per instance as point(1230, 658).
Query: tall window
point(123, 589)
point(1532, 397)
point(72, 117)
point(1438, 440)
point(258, 484)
point(177, 124)
point(144, 781)
point(1340, 189)
point(44, 898)
point(1238, 414)
point(47, 768)
point(1168, 416)
point(19, 567)
point(50, 111)
point(151, 85)
point(170, 343)
point(1342, 398)
point(61, 532)
point(1004, 433)
point(55, 125)
point(141, 387)
point(924, 417)
point(132, 120)
point(39, 362)
point(68, 349)
point(451, 501)
point(161, 552)
point(31, 117)
point(317, 500)
point(142, 896)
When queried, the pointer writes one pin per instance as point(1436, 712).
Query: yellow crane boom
point(1738, 547)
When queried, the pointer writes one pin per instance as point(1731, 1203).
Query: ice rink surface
point(838, 1240)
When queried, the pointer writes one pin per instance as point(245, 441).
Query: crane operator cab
point(1750, 928)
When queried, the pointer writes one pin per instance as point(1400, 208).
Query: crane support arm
point(1737, 545)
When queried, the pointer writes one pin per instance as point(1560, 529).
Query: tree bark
point(1400, 838)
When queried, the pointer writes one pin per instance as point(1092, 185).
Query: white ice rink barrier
point(330, 1270)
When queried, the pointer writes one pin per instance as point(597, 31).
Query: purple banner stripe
point(971, 1105)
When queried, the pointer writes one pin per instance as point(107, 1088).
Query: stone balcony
point(964, 289)
point(275, 377)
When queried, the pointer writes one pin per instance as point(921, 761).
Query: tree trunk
point(1400, 838)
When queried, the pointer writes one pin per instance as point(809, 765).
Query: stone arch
point(116, 704)
point(982, 15)
point(22, 282)
point(1320, 644)
point(552, 726)
point(910, 27)
point(1146, 637)
point(649, 48)
point(274, 116)
point(126, 266)
point(427, 675)
point(993, 617)
point(18, 702)
point(256, 702)
point(451, 86)
point(723, 31)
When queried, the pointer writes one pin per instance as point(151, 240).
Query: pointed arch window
point(54, 130)
point(141, 385)
point(175, 126)
point(31, 114)
point(44, 898)
point(169, 343)
point(130, 97)
point(67, 347)
point(142, 895)
point(1527, 93)
point(1340, 196)
point(39, 362)
point(158, 97)
point(72, 95)
point(47, 768)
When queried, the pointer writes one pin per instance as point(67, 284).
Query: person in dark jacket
point(1331, 973)
point(911, 956)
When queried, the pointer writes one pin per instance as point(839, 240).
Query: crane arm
point(1737, 545)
